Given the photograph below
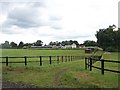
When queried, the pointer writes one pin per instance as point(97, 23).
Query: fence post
point(58, 59)
point(62, 58)
point(25, 60)
point(85, 63)
point(40, 60)
point(50, 59)
point(6, 60)
point(102, 67)
point(90, 64)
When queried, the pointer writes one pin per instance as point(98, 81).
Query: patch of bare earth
point(58, 76)
point(85, 77)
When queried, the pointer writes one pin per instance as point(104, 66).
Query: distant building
point(74, 45)
point(71, 46)
point(68, 46)
point(54, 46)
point(82, 46)
point(36, 46)
point(46, 46)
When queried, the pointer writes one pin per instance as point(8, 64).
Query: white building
point(74, 45)
point(68, 46)
point(71, 46)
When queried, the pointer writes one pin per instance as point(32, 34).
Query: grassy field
point(66, 74)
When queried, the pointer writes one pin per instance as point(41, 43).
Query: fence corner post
point(90, 64)
point(102, 67)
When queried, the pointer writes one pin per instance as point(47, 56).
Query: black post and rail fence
point(50, 59)
point(89, 61)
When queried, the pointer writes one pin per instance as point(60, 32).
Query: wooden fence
point(89, 61)
point(50, 59)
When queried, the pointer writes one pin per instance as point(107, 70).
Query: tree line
point(8, 44)
point(107, 38)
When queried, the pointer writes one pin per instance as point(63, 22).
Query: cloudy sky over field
point(55, 20)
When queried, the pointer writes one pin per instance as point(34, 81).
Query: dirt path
point(58, 76)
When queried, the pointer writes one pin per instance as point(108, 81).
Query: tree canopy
point(90, 43)
point(38, 43)
point(21, 44)
point(108, 38)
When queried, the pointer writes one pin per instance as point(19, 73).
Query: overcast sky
point(55, 20)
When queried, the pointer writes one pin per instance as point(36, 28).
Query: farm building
point(82, 46)
point(74, 45)
point(54, 46)
point(46, 46)
point(70, 46)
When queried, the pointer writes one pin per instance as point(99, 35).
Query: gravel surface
point(8, 84)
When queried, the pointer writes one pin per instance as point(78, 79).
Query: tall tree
point(38, 43)
point(52, 43)
point(13, 45)
point(21, 44)
point(107, 38)
point(6, 44)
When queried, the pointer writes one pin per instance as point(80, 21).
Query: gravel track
point(8, 84)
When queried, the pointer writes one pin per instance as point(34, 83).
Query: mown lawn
point(66, 74)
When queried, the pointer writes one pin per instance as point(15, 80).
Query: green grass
point(66, 74)
point(37, 52)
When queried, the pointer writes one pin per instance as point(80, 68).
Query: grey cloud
point(24, 18)
point(57, 26)
point(39, 4)
point(29, 16)
point(70, 36)
point(55, 22)
point(4, 7)
point(55, 18)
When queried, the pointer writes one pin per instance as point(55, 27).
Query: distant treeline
point(8, 44)
point(108, 39)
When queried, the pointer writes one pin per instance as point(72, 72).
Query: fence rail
point(89, 61)
point(50, 59)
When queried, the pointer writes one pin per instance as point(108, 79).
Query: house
point(71, 46)
point(74, 45)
